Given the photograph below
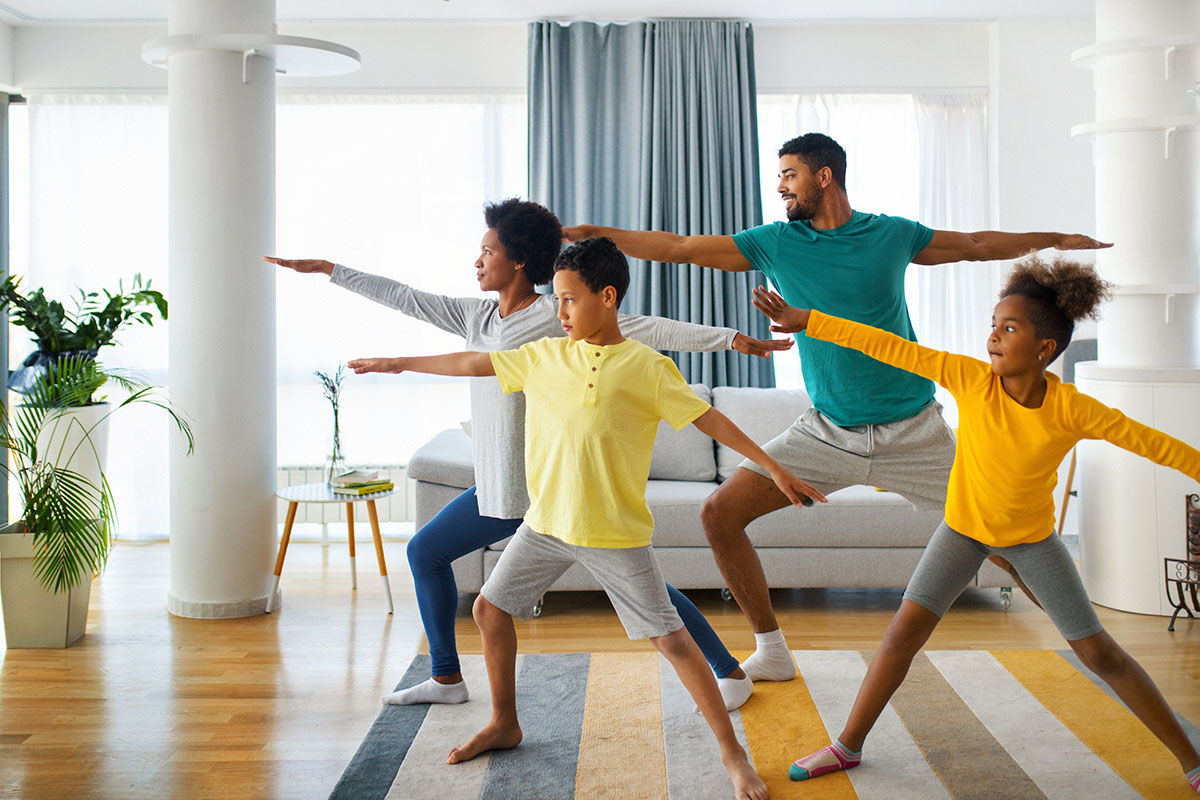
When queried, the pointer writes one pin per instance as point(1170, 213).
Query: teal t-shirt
point(854, 271)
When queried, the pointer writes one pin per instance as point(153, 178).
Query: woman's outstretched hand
point(787, 319)
point(361, 366)
point(759, 347)
point(305, 265)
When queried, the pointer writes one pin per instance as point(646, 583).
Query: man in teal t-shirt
point(869, 422)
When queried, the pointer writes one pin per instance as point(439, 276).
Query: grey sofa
point(861, 538)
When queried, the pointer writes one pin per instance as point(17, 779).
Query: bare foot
point(746, 783)
point(492, 737)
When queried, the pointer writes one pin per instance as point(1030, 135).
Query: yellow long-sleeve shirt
point(1001, 488)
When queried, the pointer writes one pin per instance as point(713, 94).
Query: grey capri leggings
point(951, 561)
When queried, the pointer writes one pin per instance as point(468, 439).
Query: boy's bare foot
point(746, 783)
point(493, 737)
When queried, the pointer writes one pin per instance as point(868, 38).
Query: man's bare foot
point(746, 783)
point(494, 737)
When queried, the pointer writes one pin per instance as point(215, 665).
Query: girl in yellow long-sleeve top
point(1016, 423)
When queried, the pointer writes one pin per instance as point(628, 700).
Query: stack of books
point(358, 482)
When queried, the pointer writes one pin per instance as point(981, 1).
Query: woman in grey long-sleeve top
point(516, 254)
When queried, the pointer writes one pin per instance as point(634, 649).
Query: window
point(386, 184)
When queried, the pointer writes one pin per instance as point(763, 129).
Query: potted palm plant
point(56, 440)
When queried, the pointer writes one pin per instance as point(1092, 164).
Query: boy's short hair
point(599, 263)
point(531, 235)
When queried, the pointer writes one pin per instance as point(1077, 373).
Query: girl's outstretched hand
point(365, 365)
point(787, 319)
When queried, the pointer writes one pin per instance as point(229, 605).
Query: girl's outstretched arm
point(470, 364)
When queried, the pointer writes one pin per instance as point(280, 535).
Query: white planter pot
point(34, 617)
point(63, 437)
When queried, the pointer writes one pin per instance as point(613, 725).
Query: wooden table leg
point(350, 525)
point(283, 545)
point(387, 587)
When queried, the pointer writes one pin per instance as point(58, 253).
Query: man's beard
point(805, 208)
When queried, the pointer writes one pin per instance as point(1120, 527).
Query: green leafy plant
point(92, 324)
point(70, 518)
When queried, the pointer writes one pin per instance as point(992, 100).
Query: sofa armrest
point(444, 459)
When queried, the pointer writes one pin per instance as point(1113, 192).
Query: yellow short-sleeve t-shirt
point(591, 413)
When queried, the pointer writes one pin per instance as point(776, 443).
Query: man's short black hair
point(530, 233)
point(599, 263)
point(818, 150)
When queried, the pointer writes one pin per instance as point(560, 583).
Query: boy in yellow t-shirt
point(597, 399)
point(1017, 421)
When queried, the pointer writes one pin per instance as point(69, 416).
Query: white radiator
point(397, 507)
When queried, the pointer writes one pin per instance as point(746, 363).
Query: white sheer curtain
point(89, 209)
point(880, 138)
point(918, 156)
point(953, 302)
point(389, 184)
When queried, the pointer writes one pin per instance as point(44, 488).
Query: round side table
point(321, 493)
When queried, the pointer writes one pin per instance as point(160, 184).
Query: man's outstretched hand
point(1077, 241)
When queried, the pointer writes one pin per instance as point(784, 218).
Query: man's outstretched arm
point(949, 246)
point(718, 252)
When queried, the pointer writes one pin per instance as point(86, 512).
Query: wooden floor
point(147, 705)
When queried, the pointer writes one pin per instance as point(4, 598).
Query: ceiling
point(74, 12)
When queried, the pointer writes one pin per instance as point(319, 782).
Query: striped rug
point(966, 724)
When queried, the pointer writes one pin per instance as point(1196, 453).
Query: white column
point(222, 348)
point(1147, 157)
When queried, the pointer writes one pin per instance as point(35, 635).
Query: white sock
point(429, 692)
point(771, 660)
point(735, 691)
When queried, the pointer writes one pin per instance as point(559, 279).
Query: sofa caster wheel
point(537, 608)
point(1006, 598)
point(726, 595)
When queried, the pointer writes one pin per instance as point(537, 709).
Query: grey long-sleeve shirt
point(498, 419)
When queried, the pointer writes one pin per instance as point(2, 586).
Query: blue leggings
point(459, 529)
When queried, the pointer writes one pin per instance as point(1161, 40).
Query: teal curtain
point(652, 126)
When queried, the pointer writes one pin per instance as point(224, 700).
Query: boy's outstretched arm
point(469, 364)
point(716, 425)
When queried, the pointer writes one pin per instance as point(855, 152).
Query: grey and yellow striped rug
point(966, 724)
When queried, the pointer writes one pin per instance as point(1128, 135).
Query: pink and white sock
point(828, 759)
point(1193, 778)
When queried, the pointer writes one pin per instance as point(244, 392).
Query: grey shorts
point(911, 457)
point(532, 561)
point(951, 561)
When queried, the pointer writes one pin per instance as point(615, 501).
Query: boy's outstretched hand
point(796, 490)
point(362, 366)
point(787, 319)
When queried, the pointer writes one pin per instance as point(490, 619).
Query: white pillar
point(1147, 157)
point(222, 348)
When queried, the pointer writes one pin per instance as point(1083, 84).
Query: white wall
point(817, 57)
point(6, 56)
point(422, 56)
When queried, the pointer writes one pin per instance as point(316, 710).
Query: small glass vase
point(335, 462)
point(334, 466)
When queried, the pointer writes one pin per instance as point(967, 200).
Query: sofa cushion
point(445, 459)
point(762, 414)
point(857, 516)
point(685, 455)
